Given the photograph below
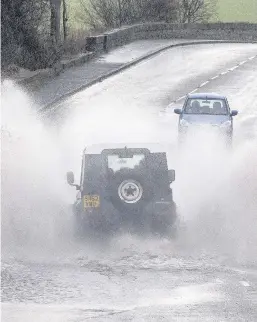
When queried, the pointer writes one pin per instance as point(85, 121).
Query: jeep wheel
point(79, 227)
point(165, 223)
point(130, 191)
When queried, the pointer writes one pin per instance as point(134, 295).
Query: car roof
point(153, 147)
point(206, 95)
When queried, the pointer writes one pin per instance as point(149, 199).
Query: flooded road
point(208, 274)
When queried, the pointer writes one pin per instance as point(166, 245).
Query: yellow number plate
point(91, 201)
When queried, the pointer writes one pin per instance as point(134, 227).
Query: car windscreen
point(116, 163)
point(206, 106)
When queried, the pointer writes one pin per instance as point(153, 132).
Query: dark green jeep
point(124, 189)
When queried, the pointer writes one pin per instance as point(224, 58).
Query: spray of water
point(216, 189)
point(217, 194)
point(36, 200)
point(34, 197)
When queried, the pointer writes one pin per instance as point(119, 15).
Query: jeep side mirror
point(172, 175)
point(178, 111)
point(70, 178)
point(233, 113)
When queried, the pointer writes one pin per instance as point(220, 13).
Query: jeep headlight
point(226, 124)
point(184, 123)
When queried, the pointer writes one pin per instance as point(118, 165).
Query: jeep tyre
point(165, 223)
point(130, 191)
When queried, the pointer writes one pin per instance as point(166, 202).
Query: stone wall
point(94, 45)
point(244, 32)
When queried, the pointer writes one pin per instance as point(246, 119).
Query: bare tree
point(64, 19)
point(24, 32)
point(158, 10)
point(102, 13)
point(114, 13)
point(55, 6)
point(31, 32)
point(190, 11)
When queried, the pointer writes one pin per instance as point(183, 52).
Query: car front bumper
point(184, 130)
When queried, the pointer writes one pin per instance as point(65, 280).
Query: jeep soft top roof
point(152, 147)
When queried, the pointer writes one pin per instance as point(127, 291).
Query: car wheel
point(229, 141)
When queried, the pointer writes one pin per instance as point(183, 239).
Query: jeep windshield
point(206, 106)
point(117, 162)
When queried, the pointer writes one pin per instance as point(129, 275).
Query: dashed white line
point(219, 281)
point(233, 68)
point(244, 283)
point(203, 84)
point(217, 76)
point(181, 98)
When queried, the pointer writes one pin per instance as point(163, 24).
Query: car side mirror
point(233, 113)
point(70, 178)
point(178, 111)
point(172, 175)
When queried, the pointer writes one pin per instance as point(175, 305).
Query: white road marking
point(203, 84)
point(233, 68)
point(170, 105)
point(219, 281)
point(181, 98)
point(217, 76)
point(244, 283)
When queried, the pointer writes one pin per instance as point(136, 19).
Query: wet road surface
point(209, 273)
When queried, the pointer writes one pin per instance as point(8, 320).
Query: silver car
point(206, 109)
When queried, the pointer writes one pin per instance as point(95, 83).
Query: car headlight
point(226, 124)
point(184, 123)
